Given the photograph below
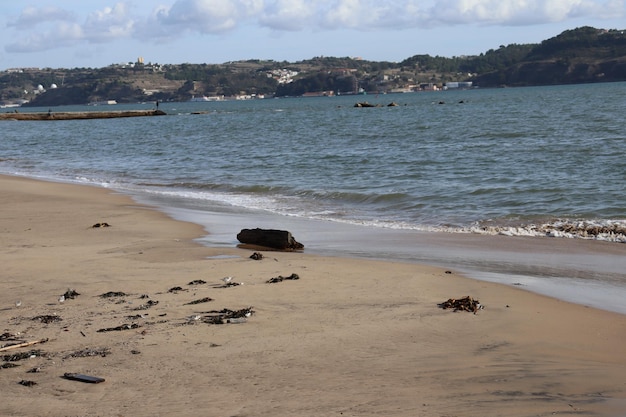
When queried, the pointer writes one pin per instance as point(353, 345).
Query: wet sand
point(587, 272)
point(351, 337)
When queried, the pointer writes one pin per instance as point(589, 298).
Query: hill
point(581, 55)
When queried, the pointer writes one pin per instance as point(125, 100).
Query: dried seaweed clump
point(22, 355)
point(111, 294)
point(88, 352)
point(228, 316)
point(70, 294)
point(200, 301)
point(466, 303)
point(280, 278)
point(48, 318)
point(119, 328)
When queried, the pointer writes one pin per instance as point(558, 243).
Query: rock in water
point(270, 238)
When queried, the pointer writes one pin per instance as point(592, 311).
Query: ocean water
point(420, 181)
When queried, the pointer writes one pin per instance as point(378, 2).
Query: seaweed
point(48, 318)
point(280, 278)
point(200, 301)
point(111, 294)
point(119, 328)
point(466, 303)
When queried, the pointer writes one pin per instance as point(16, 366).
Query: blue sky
point(96, 33)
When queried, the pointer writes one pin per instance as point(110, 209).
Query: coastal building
point(458, 84)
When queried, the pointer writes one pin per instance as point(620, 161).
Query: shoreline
point(351, 336)
point(581, 271)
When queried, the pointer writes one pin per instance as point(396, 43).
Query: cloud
point(53, 27)
point(290, 15)
point(108, 24)
point(207, 16)
point(522, 12)
point(32, 16)
point(99, 26)
point(65, 34)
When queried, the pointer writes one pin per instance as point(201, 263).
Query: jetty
point(51, 115)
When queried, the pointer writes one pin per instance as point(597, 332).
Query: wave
point(604, 230)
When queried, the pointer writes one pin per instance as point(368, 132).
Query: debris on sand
point(20, 356)
point(257, 256)
point(83, 378)
point(103, 224)
point(47, 318)
point(227, 316)
point(119, 328)
point(88, 352)
point(280, 278)
point(8, 365)
point(21, 345)
point(27, 383)
point(466, 303)
point(112, 294)
point(147, 305)
point(200, 301)
point(197, 282)
point(70, 294)
point(8, 336)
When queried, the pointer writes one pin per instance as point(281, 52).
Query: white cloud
point(108, 23)
point(522, 12)
point(32, 16)
point(291, 15)
point(99, 26)
point(207, 16)
point(64, 34)
point(41, 28)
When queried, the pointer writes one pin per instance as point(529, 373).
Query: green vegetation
point(580, 55)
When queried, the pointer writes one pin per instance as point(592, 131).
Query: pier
point(80, 115)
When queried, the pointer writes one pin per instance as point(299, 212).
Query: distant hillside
point(581, 55)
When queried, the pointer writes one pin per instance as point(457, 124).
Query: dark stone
point(270, 238)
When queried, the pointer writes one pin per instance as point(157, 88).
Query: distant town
point(581, 55)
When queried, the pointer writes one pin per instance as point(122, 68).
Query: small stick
point(19, 345)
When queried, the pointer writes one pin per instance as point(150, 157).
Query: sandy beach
point(350, 337)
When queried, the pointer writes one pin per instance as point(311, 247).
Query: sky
point(98, 33)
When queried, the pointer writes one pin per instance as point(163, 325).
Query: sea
point(522, 186)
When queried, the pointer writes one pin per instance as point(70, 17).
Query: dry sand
point(349, 338)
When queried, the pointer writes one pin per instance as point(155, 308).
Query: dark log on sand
point(269, 238)
point(80, 115)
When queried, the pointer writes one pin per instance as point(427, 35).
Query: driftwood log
point(269, 238)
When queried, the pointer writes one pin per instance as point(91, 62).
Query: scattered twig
point(25, 344)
